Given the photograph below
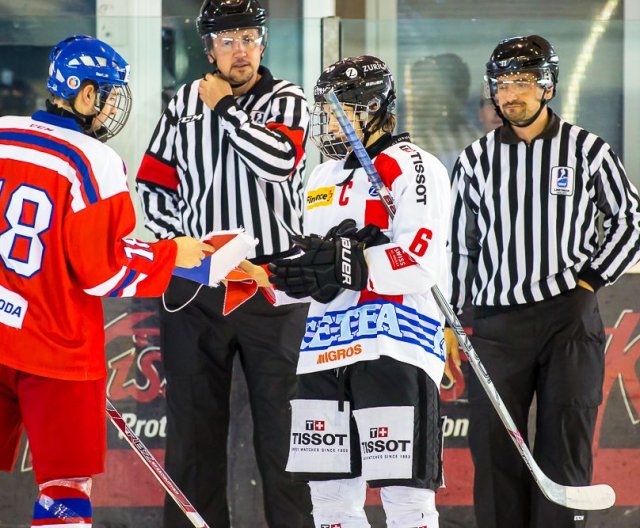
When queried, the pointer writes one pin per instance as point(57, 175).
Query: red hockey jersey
point(65, 211)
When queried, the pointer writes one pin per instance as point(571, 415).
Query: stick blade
point(596, 497)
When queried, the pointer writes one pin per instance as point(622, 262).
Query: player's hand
point(191, 252)
point(213, 88)
point(452, 355)
point(257, 273)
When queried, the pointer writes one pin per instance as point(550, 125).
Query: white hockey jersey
point(396, 315)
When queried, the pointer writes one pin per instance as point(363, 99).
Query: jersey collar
point(264, 84)
point(382, 143)
point(507, 136)
point(56, 120)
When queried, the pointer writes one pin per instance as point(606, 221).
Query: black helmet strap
point(380, 114)
point(524, 124)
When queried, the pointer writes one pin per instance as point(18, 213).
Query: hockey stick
point(596, 497)
point(154, 466)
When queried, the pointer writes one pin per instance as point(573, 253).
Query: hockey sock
point(409, 507)
point(62, 503)
point(339, 503)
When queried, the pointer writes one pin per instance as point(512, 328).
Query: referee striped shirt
point(238, 166)
point(525, 217)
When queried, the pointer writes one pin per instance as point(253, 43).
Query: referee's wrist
point(592, 278)
point(223, 105)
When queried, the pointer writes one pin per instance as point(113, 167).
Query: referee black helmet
point(531, 54)
point(218, 16)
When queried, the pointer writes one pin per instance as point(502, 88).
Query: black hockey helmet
point(217, 16)
point(363, 80)
point(531, 54)
point(366, 83)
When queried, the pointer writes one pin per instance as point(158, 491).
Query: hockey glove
point(325, 267)
point(346, 228)
point(370, 235)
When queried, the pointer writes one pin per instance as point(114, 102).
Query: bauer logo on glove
point(323, 268)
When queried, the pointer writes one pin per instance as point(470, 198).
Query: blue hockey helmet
point(81, 58)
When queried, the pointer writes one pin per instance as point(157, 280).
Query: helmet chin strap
point(367, 129)
point(524, 124)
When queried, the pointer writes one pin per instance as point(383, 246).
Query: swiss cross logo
point(314, 425)
point(379, 432)
point(398, 258)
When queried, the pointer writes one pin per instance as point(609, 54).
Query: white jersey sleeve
point(415, 259)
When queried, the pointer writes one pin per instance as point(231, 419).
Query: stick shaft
point(156, 469)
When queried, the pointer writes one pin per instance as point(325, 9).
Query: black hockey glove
point(370, 235)
point(346, 228)
point(325, 267)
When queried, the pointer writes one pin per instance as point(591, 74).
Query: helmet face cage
point(333, 143)
point(113, 106)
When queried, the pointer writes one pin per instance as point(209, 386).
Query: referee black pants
point(198, 349)
point(555, 349)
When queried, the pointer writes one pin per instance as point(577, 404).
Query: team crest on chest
point(562, 181)
point(257, 116)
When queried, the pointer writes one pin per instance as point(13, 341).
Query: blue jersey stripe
point(64, 151)
point(131, 276)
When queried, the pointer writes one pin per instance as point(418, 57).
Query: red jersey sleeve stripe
point(295, 135)
point(63, 150)
point(153, 170)
point(388, 169)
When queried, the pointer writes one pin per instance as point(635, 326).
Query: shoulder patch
point(388, 169)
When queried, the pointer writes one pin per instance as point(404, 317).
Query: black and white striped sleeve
point(463, 240)
point(271, 151)
point(157, 179)
point(618, 200)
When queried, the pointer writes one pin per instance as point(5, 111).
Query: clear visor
point(226, 41)
point(326, 133)
point(519, 81)
point(113, 107)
